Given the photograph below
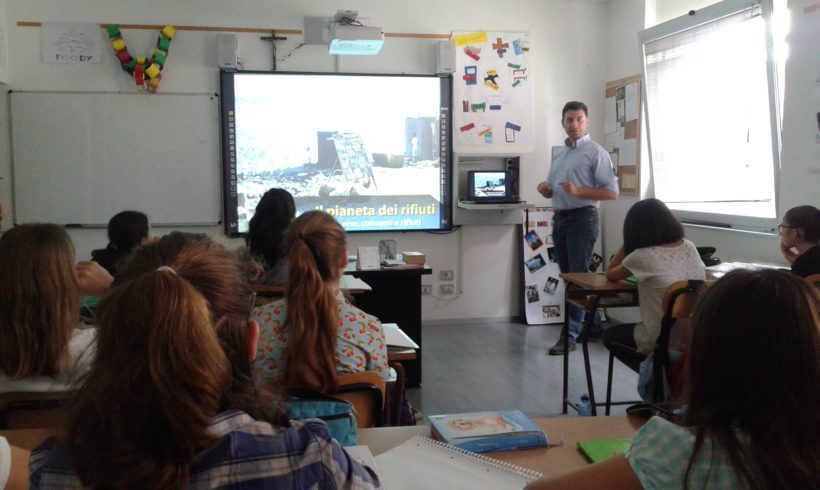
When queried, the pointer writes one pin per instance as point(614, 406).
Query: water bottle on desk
point(584, 407)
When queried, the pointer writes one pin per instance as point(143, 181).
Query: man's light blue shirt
point(584, 163)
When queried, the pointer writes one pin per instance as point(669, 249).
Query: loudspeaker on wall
point(445, 57)
point(227, 50)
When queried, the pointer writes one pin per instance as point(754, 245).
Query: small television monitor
point(372, 150)
point(489, 186)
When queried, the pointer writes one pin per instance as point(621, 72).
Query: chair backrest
point(26, 410)
point(366, 392)
point(814, 280)
point(678, 305)
point(265, 293)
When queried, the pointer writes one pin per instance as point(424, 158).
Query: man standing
point(580, 178)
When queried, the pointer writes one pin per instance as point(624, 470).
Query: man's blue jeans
point(574, 233)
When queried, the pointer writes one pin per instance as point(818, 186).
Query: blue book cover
point(488, 431)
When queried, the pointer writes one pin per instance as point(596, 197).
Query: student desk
point(395, 297)
point(590, 291)
point(551, 461)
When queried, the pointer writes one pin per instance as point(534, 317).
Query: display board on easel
point(542, 294)
point(622, 130)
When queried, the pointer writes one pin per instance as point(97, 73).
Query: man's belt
point(564, 213)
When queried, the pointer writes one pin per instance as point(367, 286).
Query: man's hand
point(92, 278)
point(569, 188)
point(544, 189)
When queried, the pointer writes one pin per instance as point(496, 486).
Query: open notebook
point(425, 463)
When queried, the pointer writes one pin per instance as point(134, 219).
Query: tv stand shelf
point(489, 205)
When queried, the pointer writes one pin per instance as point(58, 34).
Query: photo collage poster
point(543, 290)
point(493, 93)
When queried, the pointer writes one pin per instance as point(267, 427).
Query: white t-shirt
point(5, 462)
point(657, 268)
point(80, 354)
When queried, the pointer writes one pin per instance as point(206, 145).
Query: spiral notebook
point(429, 464)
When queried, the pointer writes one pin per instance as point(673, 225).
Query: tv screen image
point(372, 150)
point(488, 185)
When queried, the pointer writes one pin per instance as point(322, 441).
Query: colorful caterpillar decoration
point(147, 73)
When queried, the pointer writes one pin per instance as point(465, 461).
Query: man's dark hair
point(574, 106)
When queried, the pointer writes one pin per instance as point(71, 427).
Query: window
point(712, 116)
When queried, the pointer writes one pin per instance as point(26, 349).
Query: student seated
point(41, 346)
point(800, 239)
point(170, 401)
point(127, 230)
point(753, 402)
point(314, 332)
point(266, 234)
point(657, 254)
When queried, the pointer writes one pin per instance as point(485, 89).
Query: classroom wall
point(800, 155)
point(568, 38)
point(577, 45)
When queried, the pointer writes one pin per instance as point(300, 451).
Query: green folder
point(600, 449)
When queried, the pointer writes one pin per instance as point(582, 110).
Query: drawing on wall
point(622, 131)
point(71, 43)
point(493, 82)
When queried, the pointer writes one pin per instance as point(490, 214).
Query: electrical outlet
point(446, 275)
point(447, 288)
point(426, 289)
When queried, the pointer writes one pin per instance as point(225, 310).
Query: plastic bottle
point(584, 408)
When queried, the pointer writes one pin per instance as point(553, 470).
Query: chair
point(814, 280)
point(678, 305)
point(26, 410)
point(264, 293)
point(366, 392)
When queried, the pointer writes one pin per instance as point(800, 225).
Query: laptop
point(490, 186)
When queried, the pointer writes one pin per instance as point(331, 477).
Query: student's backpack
point(337, 414)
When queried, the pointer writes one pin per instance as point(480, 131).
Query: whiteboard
point(81, 157)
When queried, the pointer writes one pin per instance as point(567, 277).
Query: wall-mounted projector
point(348, 39)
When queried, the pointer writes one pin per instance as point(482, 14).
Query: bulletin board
point(622, 131)
point(492, 93)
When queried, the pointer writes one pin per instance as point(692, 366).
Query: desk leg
point(588, 321)
point(565, 335)
point(394, 406)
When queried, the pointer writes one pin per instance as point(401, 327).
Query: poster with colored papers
point(492, 93)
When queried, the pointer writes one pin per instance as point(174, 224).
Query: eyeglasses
point(781, 226)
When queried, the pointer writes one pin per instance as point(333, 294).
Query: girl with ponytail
point(170, 401)
point(314, 332)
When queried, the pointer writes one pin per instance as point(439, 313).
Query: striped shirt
point(248, 455)
point(660, 453)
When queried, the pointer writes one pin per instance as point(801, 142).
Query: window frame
point(694, 20)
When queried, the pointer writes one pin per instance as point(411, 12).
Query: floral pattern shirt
point(360, 340)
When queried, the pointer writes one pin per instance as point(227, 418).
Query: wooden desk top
point(596, 282)
point(399, 354)
point(551, 461)
point(27, 439)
